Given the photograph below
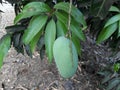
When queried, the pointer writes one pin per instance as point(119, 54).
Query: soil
point(23, 73)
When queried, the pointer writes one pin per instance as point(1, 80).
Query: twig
point(69, 19)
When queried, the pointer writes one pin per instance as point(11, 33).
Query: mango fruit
point(66, 57)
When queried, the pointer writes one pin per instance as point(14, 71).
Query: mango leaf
point(34, 41)
point(16, 39)
point(31, 9)
point(41, 43)
point(75, 27)
point(28, 50)
point(61, 29)
point(77, 15)
point(17, 42)
point(63, 17)
point(76, 42)
point(42, 53)
point(112, 20)
point(41, 47)
point(119, 28)
point(50, 34)
point(4, 47)
point(15, 28)
point(35, 6)
point(114, 9)
point(34, 27)
point(100, 8)
point(107, 32)
point(113, 83)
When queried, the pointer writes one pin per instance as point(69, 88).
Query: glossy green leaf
point(112, 20)
point(34, 27)
point(4, 47)
point(113, 83)
point(76, 42)
point(63, 17)
point(78, 16)
point(33, 8)
point(74, 27)
point(61, 29)
point(114, 9)
point(34, 41)
point(107, 32)
point(119, 28)
point(50, 34)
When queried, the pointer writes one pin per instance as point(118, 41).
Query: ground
point(20, 72)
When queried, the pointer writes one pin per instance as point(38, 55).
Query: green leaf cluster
point(44, 27)
point(4, 47)
point(111, 26)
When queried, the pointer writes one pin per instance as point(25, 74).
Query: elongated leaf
point(107, 32)
point(63, 17)
point(4, 47)
point(28, 51)
point(17, 42)
point(61, 29)
point(50, 34)
point(33, 8)
point(78, 16)
point(34, 41)
point(119, 28)
point(34, 27)
point(76, 42)
point(112, 20)
point(114, 9)
point(16, 39)
point(41, 43)
point(100, 8)
point(42, 53)
point(74, 27)
point(15, 28)
point(113, 83)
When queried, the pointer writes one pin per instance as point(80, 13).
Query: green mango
point(66, 57)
